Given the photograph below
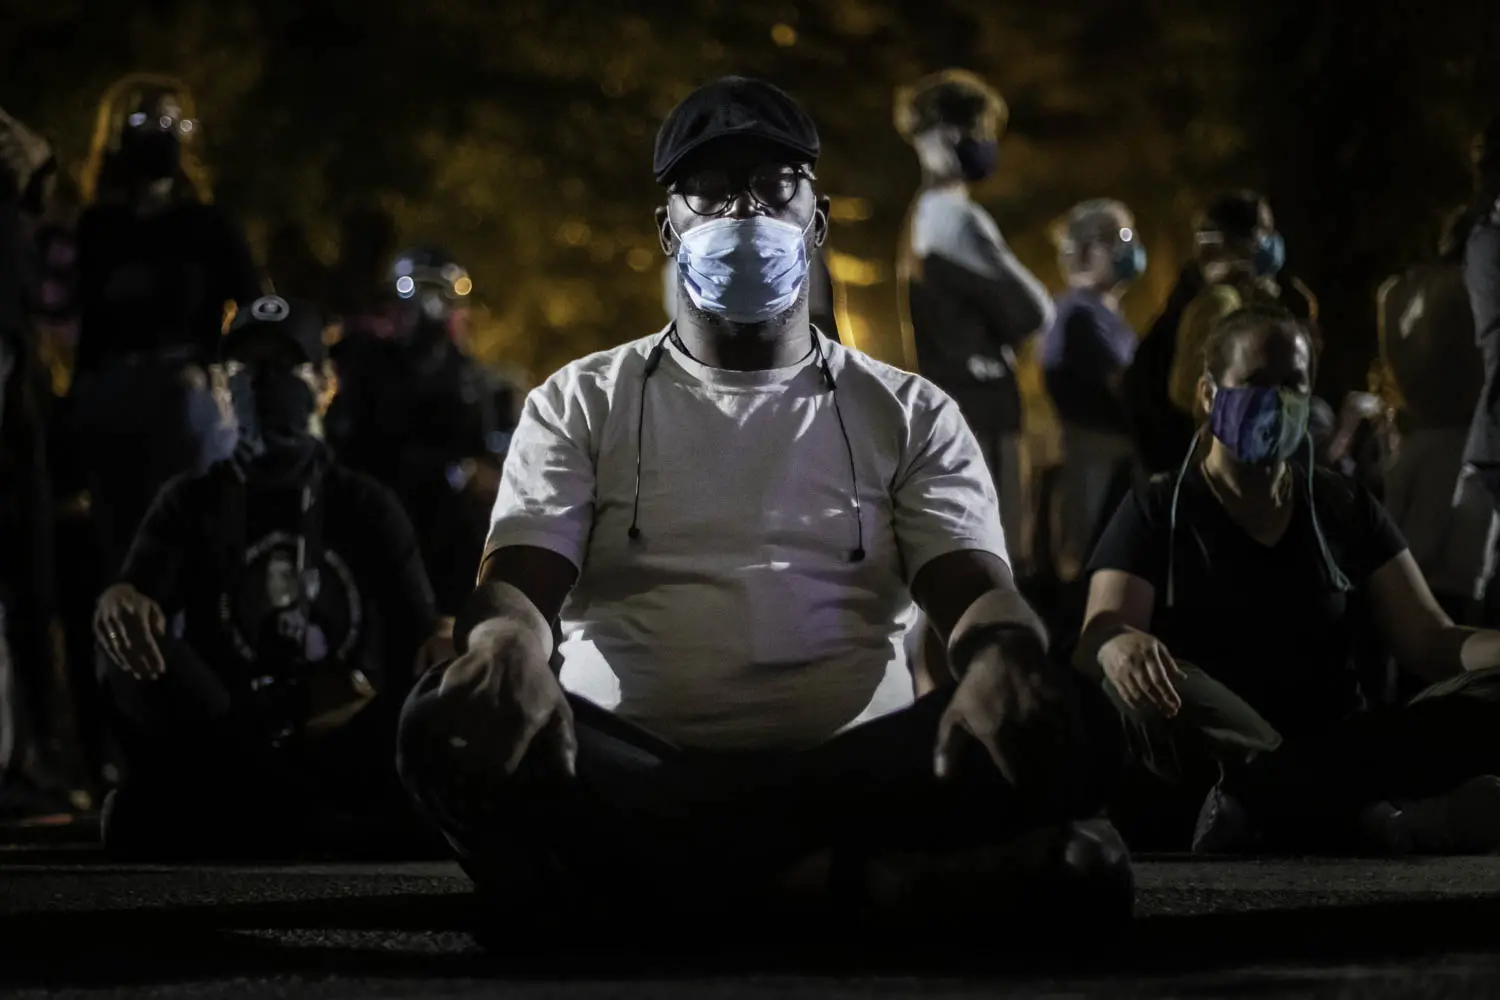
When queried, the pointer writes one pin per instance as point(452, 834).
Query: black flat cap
point(734, 106)
point(298, 324)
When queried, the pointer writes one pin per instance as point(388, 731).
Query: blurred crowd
point(117, 295)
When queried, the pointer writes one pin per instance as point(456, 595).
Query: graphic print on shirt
point(274, 615)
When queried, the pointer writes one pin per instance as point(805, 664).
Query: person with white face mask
point(682, 674)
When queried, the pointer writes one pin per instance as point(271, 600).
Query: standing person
point(722, 526)
point(1427, 342)
point(157, 265)
point(262, 634)
point(1085, 353)
point(1159, 429)
point(968, 303)
point(419, 413)
point(33, 688)
point(1240, 255)
point(1482, 277)
point(1225, 606)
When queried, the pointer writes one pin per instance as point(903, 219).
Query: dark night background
point(518, 133)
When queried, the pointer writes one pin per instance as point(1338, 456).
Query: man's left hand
point(1014, 703)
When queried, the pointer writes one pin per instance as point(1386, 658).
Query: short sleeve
point(944, 499)
point(1137, 539)
point(1374, 538)
point(546, 496)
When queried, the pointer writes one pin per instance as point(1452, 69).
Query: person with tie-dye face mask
point(1227, 604)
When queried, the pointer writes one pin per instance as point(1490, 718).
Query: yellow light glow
point(784, 35)
point(463, 286)
point(850, 209)
point(851, 270)
point(574, 232)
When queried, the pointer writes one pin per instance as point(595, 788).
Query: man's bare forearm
point(497, 608)
point(999, 615)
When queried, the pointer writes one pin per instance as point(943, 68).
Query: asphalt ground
point(73, 924)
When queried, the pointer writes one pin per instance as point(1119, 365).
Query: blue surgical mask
point(1130, 261)
point(1270, 255)
point(977, 158)
point(745, 270)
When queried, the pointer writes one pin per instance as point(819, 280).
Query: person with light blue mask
point(682, 677)
point(1085, 353)
point(1228, 604)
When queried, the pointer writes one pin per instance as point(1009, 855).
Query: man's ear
point(664, 233)
point(820, 221)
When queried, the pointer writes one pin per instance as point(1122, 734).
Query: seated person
point(724, 526)
point(1224, 605)
point(261, 638)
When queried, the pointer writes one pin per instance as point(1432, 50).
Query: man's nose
point(742, 207)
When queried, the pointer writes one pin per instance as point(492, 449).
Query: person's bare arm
point(1421, 635)
point(519, 587)
point(970, 596)
point(1118, 603)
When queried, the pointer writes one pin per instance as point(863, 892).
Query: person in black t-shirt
point(264, 629)
point(157, 264)
point(1226, 603)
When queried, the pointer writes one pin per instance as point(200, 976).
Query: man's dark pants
point(203, 778)
point(644, 819)
point(1308, 789)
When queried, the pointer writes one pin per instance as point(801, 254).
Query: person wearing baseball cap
point(261, 636)
point(716, 535)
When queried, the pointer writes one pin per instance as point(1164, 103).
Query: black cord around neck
point(653, 361)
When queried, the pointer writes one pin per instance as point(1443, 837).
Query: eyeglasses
point(711, 192)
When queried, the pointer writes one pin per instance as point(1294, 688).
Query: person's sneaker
point(1464, 821)
point(1223, 825)
point(1071, 874)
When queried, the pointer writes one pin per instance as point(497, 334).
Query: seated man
point(262, 636)
point(728, 522)
point(1225, 606)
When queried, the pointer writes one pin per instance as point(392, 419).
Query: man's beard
point(734, 329)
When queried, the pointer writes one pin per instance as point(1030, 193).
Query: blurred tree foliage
point(519, 133)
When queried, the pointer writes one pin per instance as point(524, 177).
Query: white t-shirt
point(738, 620)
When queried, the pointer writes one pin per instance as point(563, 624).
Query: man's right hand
point(500, 700)
point(126, 624)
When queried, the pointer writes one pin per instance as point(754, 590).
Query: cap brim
point(799, 152)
